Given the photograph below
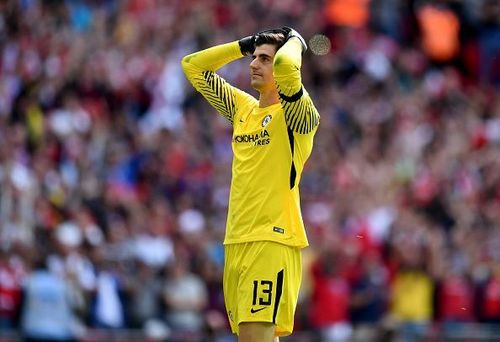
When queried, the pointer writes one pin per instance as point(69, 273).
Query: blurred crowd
point(114, 173)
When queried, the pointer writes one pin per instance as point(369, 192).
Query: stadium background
point(115, 172)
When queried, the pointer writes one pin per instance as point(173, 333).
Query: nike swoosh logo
point(241, 120)
point(257, 310)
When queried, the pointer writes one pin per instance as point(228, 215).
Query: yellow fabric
point(412, 296)
point(264, 205)
point(261, 284)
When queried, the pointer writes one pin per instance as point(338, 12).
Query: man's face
point(261, 68)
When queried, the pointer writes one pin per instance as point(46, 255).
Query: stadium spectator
point(330, 298)
point(369, 298)
point(185, 297)
point(11, 278)
point(48, 309)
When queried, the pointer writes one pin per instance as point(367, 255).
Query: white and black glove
point(290, 32)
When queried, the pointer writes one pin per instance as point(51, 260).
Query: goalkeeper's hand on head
point(247, 45)
point(290, 33)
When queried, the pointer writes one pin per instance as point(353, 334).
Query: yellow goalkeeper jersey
point(270, 145)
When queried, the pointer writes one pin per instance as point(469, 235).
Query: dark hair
point(274, 38)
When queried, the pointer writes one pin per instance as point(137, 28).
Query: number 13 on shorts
point(261, 284)
point(262, 294)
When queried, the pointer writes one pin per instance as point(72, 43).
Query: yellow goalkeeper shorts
point(261, 284)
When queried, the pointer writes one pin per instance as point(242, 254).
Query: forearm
point(300, 114)
point(287, 64)
point(200, 69)
point(211, 59)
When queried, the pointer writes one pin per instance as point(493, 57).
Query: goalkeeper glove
point(290, 33)
point(247, 45)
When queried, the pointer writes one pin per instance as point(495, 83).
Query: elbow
point(287, 55)
point(281, 61)
point(188, 68)
point(185, 62)
point(285, 65)
point(278, 60)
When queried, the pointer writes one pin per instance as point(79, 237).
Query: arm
point(300, 114)
point(200, 68)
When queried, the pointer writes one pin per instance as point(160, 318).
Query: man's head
point(261, 68)
point(274, 37)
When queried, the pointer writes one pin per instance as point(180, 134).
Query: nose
point(253, 64)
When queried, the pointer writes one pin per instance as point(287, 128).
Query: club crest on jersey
point(266, 120)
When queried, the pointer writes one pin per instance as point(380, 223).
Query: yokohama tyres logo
point(257, 139)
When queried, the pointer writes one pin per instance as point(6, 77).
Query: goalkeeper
point(272, 139)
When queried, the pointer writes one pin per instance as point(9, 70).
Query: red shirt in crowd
point(456, 299)
point(491, 301)
point(330, 298)
point(10, 291)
